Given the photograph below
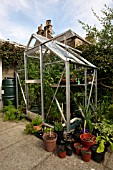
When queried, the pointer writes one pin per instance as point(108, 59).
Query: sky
point(20, 18)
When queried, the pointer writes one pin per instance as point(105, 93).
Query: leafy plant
point(102, 140)
point(87, 117)
point(30, 127)
point(105, 136)
point(58, 126)
point(37, 121)
point(78, 145)
point(105, 128)
point(11, 113)
point(11, 54)
point(86, 152)
point(61, 148)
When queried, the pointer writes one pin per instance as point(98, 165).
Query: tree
point(100, 52)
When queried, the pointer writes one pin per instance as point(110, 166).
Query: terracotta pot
point(86, 155)
point(78, 147)
point(38, 127)
point(50, 141)
point(62, 154)
point(87, 139)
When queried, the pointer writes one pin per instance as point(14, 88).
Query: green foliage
point(86, 151)
point(37, 121)
point(11, 113)
point(110, 114)
point(100, 52)
point(29, 129)
point(105, 129)
point(100, 111)
point(47, 129)
point(102, 140)
point(87, 115)
point(58, 126)
point(11, 54)
point(61, 148)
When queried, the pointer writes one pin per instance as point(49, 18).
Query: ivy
point(11, 55)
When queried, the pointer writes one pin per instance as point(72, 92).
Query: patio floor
point(26, 152)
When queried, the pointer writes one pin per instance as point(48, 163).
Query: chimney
point(47, 32)
point(48, 23)
point(48, 29)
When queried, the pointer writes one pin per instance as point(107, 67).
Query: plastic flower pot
point(87, 139)
point(61, 151)
point(69, 150)
point(97, 157)
point(78, 147)
point(86, 155)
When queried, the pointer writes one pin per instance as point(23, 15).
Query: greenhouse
point(59, 68)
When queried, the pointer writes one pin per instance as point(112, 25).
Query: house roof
point(65, 53)
point(70, 34)
point(12, 42)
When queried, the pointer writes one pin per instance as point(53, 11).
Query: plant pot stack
point(83, 148)
point(87, 140)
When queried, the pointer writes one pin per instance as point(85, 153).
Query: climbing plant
point(11, 54)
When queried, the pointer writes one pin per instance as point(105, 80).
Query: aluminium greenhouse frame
point(68, 55)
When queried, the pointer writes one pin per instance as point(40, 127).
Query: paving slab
point(6, 125)
point(110, 162)
point(23, 155)
point(11, 135)
point(73, 162)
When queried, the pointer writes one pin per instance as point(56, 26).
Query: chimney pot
point(40, 27)
point(48, 22)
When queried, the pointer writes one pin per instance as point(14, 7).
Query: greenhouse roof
point(64, 52)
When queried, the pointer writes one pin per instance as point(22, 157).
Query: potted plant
point(58, 128)
point(35, 127)
point(87, 139)
point(104, 139)
point(105, 136)
point(86, 154)
point(61, 151)
point(78, 147)
point(29, 129)
point(86, 113)
point(49, 139)
point(97, 156)
point(37, 123)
